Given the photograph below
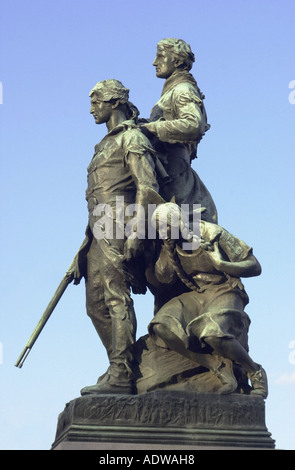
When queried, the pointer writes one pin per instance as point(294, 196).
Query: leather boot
point(258, 380)
point(116, 380)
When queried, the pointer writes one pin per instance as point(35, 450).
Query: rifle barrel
point(43, 320)
point(23, 356)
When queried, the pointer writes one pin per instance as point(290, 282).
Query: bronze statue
point(122, 167)
point(177, 124)
point(209, 318)
point(196, 344)
point(199, 297)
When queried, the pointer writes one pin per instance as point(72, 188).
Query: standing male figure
point(178, 122)
point(122, 166)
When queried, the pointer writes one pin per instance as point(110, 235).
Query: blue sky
point(52, 54)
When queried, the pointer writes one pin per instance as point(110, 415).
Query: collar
point(123, 126)
point(176, 78)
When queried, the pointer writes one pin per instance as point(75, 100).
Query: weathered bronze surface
point(196, 348)
point(207, 324)
point(199, 318)
point(122, 167)
point(177, 124)
point(197, 341)
point(164, 420)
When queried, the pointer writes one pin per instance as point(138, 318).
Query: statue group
point(153, 226)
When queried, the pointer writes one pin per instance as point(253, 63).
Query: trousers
point(108, 300)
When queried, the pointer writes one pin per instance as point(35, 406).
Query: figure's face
point(164, 63)
point(101, 110)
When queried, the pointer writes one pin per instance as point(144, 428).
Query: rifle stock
point(66, 280)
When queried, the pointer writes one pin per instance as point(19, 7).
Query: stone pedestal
point(163, 420)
